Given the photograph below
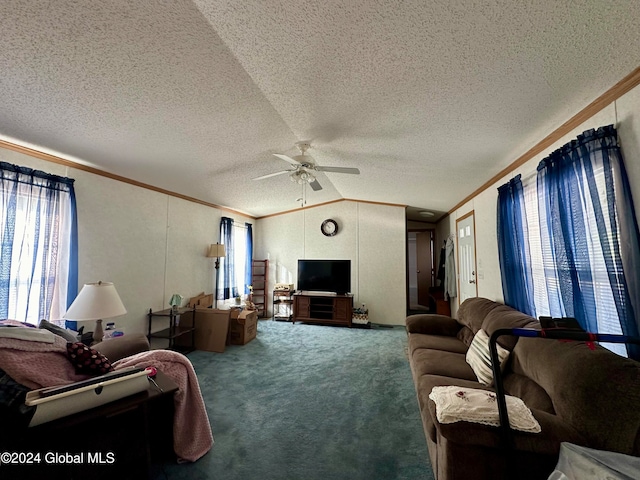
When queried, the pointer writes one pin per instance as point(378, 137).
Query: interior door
point(424, 256)
point(466, 235)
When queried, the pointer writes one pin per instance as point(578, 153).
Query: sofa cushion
point(432, 324)
point(465, 335)
point(553, 429)
point(473, 311)
point(553, 432)
point(424, 386)
point(506, 317)
point(439, 362)
point(436, 342)
point(532, 394)
point(595, 391)
point(479, 357)
point(457, 404)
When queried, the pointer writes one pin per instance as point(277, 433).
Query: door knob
point(472, 281)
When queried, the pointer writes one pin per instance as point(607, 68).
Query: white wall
point(624, 113)
point(371, 236)
point(149, 244)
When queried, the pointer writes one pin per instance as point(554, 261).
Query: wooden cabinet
point(323, 308)
point(343, 309)
point(301, 307)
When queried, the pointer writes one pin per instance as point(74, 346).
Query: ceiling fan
point(304, 167)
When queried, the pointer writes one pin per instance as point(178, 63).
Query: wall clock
point(329, 227)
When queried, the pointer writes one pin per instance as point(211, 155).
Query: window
point(235, 267)
point(38, 237)
point(559, 239)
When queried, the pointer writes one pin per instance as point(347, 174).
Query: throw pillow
point(479, 357)
point(61, 332)
point(88, 360)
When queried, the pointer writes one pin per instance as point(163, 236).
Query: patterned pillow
point(479, 357)
point(88, 360)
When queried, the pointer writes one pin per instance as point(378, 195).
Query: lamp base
point(98, 333)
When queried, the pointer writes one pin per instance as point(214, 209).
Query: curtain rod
point(240, 226)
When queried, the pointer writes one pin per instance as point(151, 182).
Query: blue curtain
point(513, 248)
point(72, 282)
point(248, 266)
point(39, 244)
point(585, 223)
point(227, 289)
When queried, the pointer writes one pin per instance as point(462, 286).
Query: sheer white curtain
point(236, 261)
point(38, 261)
point(547, 283)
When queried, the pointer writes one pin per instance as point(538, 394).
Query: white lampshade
point(216, 250)
point(96, 301)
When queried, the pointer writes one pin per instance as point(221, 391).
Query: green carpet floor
point(306, 402)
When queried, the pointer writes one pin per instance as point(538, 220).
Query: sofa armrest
point(119, 347)
point(432, 324)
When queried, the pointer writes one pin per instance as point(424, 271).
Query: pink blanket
point(192, 436)
point(38, 364)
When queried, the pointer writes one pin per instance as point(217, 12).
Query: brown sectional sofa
point(581, 395)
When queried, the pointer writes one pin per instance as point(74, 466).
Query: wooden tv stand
point(329, 308)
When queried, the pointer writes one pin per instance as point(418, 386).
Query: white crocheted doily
point(455, 404)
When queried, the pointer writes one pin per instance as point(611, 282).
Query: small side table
point(282, 302)
point(174, 330)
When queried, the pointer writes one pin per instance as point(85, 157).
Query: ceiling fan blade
point(315, 186)
point(268, 175)
point(287, 158)
point(353, 171)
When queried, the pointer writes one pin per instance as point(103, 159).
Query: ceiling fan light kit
point(302, 176)
point(304, 167)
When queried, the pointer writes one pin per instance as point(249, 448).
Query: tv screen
point(324, 276)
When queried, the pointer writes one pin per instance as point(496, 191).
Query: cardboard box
point(201, 300)
point(243, 326)
point(212, 327)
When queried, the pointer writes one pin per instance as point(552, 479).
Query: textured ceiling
point(429, 99)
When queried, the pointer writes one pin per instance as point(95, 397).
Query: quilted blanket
point(192, 436)
point(35, 364)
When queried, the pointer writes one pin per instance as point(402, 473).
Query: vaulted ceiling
point(428, 99)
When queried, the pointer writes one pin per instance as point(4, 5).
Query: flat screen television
point(324, 276)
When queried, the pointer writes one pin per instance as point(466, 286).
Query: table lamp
point(175, 301)
point(96, 301)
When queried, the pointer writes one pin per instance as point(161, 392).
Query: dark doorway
point(421, 271)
